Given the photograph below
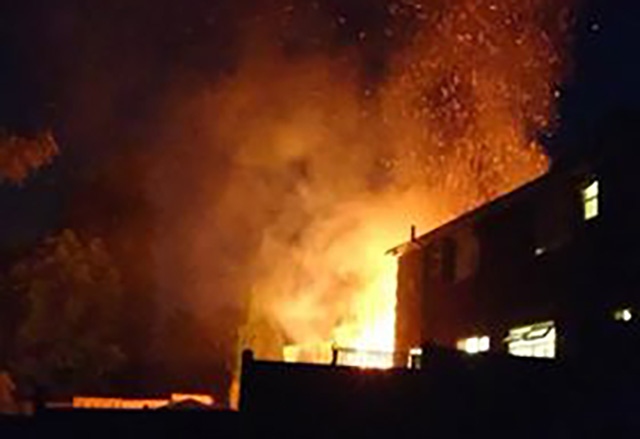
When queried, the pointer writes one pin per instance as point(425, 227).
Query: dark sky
point(93, 71)
point(606, 75)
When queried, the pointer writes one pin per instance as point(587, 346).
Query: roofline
point(498, 203)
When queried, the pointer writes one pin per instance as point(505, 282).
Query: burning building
point(549, 270)
point(343, 165)
point(546, 271)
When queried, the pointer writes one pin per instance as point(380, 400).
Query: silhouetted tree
point(67, 340)
point(12, 308)
point(8, 403)
point(21, 155)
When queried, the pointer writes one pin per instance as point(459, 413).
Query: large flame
point(364, 278)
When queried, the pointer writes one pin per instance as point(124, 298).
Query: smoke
point(270, 152)
point(283, 183)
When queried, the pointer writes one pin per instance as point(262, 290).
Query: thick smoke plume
point(312, 157)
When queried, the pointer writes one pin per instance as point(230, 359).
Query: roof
point(497, 205)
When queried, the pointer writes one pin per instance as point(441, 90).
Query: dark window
point(449, 260)
point(555, 219)
point(432, 262)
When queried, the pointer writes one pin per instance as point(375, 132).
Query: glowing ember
point(92, 402)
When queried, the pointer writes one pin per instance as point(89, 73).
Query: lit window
point(414, 361)
point(539, 251)
point(473, 345)
point(590, 200)
point(623, 315)
point(538, 340)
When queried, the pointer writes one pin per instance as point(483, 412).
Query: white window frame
point(536, 340)
point(591, 200)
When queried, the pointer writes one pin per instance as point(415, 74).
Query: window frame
point(590, 197)
point(526, 338)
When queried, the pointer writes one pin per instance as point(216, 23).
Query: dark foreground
point(453, 396)
point(124, 424)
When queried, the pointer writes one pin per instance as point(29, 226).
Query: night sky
point(94, 74)
point(606, 72)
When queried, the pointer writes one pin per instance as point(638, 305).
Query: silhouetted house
point(549, 270)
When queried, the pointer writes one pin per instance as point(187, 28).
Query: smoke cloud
point(263, 155)
point(313, 156)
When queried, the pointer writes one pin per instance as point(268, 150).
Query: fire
point(373, 329)
point(449, 130)
point(92, 402)
point(368, 339)
point(328, 161)
point(345, 304)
